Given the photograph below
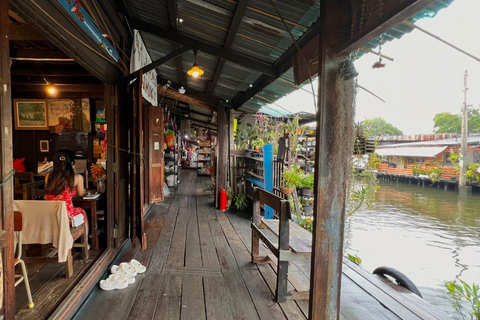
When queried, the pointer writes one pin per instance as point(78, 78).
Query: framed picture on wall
point(30, 114)
point(44, 146)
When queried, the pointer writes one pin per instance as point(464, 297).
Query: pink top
point(67, 196)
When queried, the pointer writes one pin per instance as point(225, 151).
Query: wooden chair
point(20, 179)
point(18, 228)
point(286, 239)
point(32, 190)
point(76, 233)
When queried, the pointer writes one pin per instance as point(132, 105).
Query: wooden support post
point(333, 135)
point(283, 244)
point(7, 280)
point(222, 158)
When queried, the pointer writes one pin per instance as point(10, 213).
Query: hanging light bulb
point(51, 90)
point(195, 71)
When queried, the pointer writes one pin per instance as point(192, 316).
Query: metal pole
point(463, 148)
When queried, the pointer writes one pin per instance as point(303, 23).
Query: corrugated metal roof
point(424, 152)
point(472, 140)
point(261, 36)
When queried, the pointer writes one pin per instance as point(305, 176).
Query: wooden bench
point(287, 240)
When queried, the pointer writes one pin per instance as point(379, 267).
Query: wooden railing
point(447, 174)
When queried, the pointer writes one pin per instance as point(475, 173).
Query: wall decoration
point(30, 115)
point(44, 146)
point(73, 115)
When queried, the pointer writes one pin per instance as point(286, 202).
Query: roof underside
point(260, 36)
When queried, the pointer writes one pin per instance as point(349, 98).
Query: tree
point(452, 123)
point(446, 122)
point(379, 127)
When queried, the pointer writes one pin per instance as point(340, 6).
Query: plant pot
point(307, 191)
point(308, 209)
point(286, 190)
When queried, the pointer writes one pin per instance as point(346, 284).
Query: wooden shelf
point(255, 175)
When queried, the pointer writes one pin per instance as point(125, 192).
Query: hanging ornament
point(378, 64)
point(75, 8)
point(105, 35)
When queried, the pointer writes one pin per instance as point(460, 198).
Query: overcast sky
point(426, 77)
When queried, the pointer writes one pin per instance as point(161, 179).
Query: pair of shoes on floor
point(122, 275)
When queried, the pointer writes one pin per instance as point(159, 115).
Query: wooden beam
point(7, 280)
point(173, 17)
point(50, 70)
point(208, 48)
point(203, 127)
point(237, 19)
point(38, 54)
point(284, 63)
point(90, 88)
point(149, 67)
point(222, 158)
point(394, 13)
point(334, 128)
point(204, 122)
point(191, 97)
point(24, 32)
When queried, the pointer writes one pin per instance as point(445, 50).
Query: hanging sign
point(139, 59)
point(83, 19)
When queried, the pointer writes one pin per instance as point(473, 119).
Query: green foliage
point(306, 181)
point(306, 201)
point(241, 201)
point(307, 223)
point(364, 186)
point(432, 169)
point(294, 130)
point(469, 293)
point(292, 176)
point(355, 259)
point(472, 175)
point(446, 122)
point(378, 127)
point(209, 187)
point(243, 135)
point(257, 143)
point(454, 158)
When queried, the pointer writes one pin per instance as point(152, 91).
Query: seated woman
point(63, 183)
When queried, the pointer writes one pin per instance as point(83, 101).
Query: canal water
point(427, 233)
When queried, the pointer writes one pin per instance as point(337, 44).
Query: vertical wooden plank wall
point(7, 296)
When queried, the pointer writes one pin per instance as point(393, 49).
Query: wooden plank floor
point(198, 267)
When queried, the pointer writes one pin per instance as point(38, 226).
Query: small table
point(91, 204)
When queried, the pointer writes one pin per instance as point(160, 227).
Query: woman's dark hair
point(63, 175)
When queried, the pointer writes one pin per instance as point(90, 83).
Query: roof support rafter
point(173, 15)
point(284, 63)
point(208, 48)
point(237, 19)
point(394, 13)
point(158, 62)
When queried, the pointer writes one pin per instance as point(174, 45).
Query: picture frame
point(44, 146)
point(30, 114)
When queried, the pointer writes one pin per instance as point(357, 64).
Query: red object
point(378, 64)
point(223, 199)
point(18, 165)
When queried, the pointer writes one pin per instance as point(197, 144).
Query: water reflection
point(429, 234)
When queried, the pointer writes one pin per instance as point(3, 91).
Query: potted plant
point(307, 204)
point(257, 144)
point(306, 183)
point(290, 179)
point(241, 201)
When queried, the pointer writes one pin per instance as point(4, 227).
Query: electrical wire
point(11, 174)
point(300, 52)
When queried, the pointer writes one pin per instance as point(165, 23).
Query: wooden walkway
point(198, 267)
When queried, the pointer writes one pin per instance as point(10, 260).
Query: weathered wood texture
point(7, 280)
point(198, 267)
